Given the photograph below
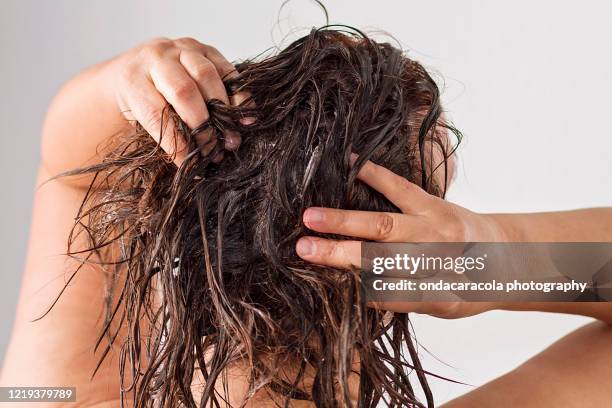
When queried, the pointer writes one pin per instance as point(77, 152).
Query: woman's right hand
point(183, 73)
point(137, 85)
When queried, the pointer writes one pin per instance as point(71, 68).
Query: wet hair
point(205, 274)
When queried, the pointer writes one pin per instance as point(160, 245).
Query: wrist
point(504, 228)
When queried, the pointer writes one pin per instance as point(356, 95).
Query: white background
point(527, 82)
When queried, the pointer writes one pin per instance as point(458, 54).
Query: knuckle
point(384, 225)
point(335, 219)
point(336, 251)
point(205, 72)
point(405, 185)
point(152, 52)
point(188, 42)
point(160, 41)
point(368, 171)
point(206, 48)
point(183, 89)
point(155, 48)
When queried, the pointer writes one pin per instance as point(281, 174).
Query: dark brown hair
point(216, 240)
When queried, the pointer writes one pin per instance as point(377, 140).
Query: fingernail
point(304, 247)
point(232, 140)
point(313, 215)
point(248, 120)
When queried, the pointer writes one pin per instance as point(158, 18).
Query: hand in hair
point(139, 85)
point(184, 73)
point(428, 218)
point(424, 218)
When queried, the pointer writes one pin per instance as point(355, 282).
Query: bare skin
point(58, 349)
point(582, 360)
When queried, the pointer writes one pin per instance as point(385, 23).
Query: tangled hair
point(205, 274)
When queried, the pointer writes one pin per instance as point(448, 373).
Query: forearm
point(82, 116)
point(597, 310)
point(593, 224)
point(585, 225)
point(573, 372)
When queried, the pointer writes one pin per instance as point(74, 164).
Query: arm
point(58, 350)
point(574, 372)
point(588, 225)
point(426, 218)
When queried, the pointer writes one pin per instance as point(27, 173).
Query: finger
point(232, 140)
point(401, 192)
point(209, 82)
point(189, 43)
point(228, 70)
point(376, 226)
point(205, 74)
point(241, 98)
point(148, 107)
point(225, 68)
point(181, 91)
point(208, 79)
point(337, 254)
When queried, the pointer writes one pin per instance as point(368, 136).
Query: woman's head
point(205, 260)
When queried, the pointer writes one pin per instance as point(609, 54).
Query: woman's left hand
point(424, 218)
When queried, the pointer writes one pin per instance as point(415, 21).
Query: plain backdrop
point(528, 83)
